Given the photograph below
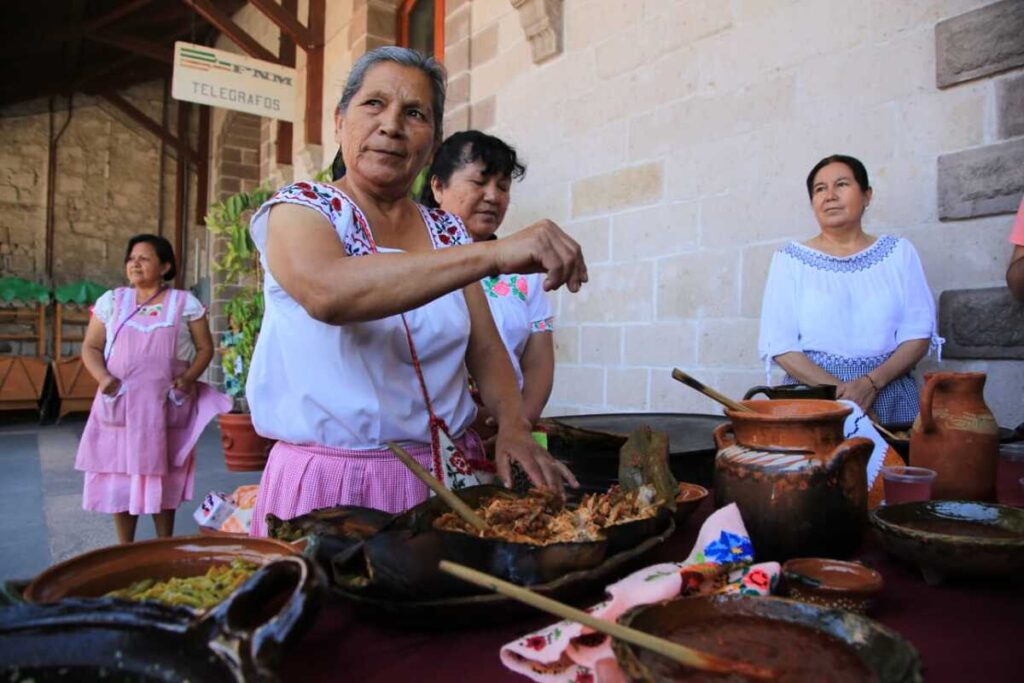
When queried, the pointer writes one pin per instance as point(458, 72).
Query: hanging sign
point(230, 81)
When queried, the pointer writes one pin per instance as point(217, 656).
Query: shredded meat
point(541, 518)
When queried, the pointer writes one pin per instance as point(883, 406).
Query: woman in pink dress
point(146, 345)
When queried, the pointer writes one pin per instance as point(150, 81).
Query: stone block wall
point(672, 140)
point(108, 188)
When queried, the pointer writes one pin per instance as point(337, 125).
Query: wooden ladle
point(453, 501)
point(694, 383)
point(679, 653)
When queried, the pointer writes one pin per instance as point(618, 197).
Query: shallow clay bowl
point(98, 572)
point(689, 497)
point(765, 631)
point(954, 538)
point(832, 583)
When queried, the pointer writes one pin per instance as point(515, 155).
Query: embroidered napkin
point(721, 562)
point(858, 424)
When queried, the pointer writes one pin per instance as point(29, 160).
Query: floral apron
point(147, 428)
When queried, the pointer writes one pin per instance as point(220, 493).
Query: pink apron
point(136, 446)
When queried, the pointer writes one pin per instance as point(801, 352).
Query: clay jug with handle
point(800, 486)
point(956, 435)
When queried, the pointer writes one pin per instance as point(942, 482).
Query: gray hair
point(406, 57)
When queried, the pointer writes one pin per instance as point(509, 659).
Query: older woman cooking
point(848, 308)
point(471, 176)
point(374, 314)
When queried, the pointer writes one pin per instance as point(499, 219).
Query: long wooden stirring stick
point(674, 651)
point(453, 501)
point(694, 383)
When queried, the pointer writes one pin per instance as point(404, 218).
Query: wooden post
point(58, 331)
point(315, 73)
point(181, 193)
point(41, 330)
point(286, 53)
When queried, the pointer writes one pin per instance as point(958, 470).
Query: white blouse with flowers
point(520, 308)
point(855, 307)
point(354, 386)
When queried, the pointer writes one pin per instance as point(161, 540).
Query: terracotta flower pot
point(244, 449)
point(956, 435)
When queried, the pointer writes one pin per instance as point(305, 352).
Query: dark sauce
point(797, 652)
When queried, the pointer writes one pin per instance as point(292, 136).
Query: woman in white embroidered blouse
point(371, 321)
point(471, 176)
point(848, 308)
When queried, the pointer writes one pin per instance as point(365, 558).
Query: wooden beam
point(286, 51)
point(144, 48)
point(203, 166)
point(38, 44)
point(149, 124)
point(223, 23)
point(315, 73)
point(286, 20)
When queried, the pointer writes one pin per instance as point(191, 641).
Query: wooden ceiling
point(57, 47)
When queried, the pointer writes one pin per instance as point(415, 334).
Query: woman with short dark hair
point(146, 345)
point(471, 176)
point(848, 308)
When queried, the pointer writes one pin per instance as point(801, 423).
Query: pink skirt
point(139, 494)
point(300, 479)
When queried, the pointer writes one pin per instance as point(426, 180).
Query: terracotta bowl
point(954, 538)
point(832, 583)
point(100, 571)
point(765, 631)
point(690, 496)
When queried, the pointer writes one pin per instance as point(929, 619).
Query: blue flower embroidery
point(729, 548)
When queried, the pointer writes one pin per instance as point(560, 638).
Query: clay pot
point(832, 583)
point(956, 435)
point(802, 489)
point(244, 449)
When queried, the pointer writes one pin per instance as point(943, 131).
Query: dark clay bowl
point(95, 573)
point(884, 654)
point(954, 538)
point(241, 639)
point(689, 497)
point(832, 583)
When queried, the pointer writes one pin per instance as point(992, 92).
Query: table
point(964, 631)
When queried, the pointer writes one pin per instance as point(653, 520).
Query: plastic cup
point(907, 484)
point(1008, 474)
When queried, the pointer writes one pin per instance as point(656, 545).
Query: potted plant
point(239, 266)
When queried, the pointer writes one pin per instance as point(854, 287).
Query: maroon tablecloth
point(964, 632)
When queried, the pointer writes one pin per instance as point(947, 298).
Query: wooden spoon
point(453, 501)
point(694, 383)
point(674, 651)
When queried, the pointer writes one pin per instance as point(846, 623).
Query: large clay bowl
point(954, 538)
point(753, 628)
point(98, 572)
point(241, 639)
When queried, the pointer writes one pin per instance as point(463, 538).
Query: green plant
point(239, 265)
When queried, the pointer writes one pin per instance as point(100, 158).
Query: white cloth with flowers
point(721, 562)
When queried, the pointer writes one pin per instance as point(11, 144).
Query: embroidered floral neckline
point(862, 260)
